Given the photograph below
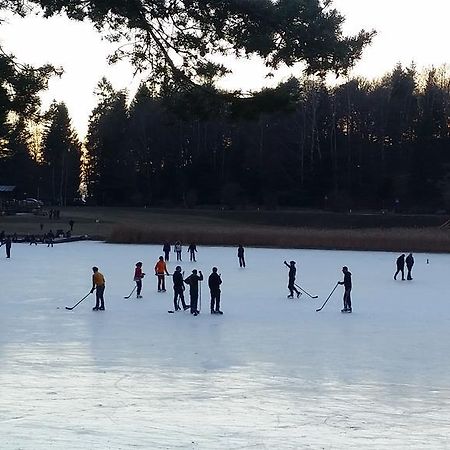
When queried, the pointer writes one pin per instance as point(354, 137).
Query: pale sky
point(408, 31)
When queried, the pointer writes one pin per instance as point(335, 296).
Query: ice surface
point(271, 373)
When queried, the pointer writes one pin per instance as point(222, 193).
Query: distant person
point(98, 285)
point(7, 242)
point(214, 282)
point(291, 280)
point(33, 240)
point(50, 238)
point(400, 267)
point(138, 275)
point(192, 249)
point(160, 272)
point(347, 290)
point(193, 282)
point(178, 250)
point(409, 265)
point(240, 254)
point(178, 290)
point(166, 250)
point(71, 224)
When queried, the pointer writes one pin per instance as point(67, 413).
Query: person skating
point(240, 254)
point(178, 290)
point(400, 267)
point(160, 272)
point(193, 281)
point(138, 275)
point(192, 249)
point(347, 290)
point(214, 282)
point(178, 249)
point(50, 238)
point(7, 243)
point(98, 285)
point(166, 250)
point(291, 282)
point(33, 240)
point(409, 265)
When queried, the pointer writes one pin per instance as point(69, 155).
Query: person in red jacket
point(138, 275)
point(160, 271)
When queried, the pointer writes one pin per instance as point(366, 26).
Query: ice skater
point(138, 275)
point(193, 282)
point(50, 238)
point(291, 282)
point(7, 243)
point(240, 254)
point(347, 283)
point(409, 265)
point(166, 250)
point(178, 290)
point(192, 249)
point(400, 267)
point(160, 272)
point(98, 285)
point(214, 282)
point(177, 249)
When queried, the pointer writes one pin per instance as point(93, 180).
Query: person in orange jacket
point(160, 271)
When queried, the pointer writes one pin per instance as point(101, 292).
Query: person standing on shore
point(166, 250)
point(178, 289)
point(193, 282)
point(214, 282)
point(347, 283)
point(7, 243)
point(98, 285)
point(160, 272)
point(192, 250)
point(291, 282)
point(177, 249)
point(400, 267)
point(240, 254)
point(138, 275)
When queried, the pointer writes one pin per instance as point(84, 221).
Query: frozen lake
point(270, 373)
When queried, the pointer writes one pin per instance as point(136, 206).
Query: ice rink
point(271, 373)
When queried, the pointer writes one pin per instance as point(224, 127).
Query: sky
point(407, 31)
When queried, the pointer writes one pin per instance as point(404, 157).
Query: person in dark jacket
point(400, 267)
point(240, 254)
point(7, 243)
point(193, 282)
point(178, 289)
point(192, 250)
point(347, 290)
point(214, 282)
point(409, 265)
point(166, 250)
point(138, 275)
point(291, 282)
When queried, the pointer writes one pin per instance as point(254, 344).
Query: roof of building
point(7, 188)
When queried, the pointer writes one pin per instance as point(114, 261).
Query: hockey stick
point(307, 293)
point(76, 304)
point(331, 293)
point(131, 293)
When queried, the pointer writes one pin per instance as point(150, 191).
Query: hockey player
point(138, 275)
point(291, 282)
point(177, 249)
point(347, 283)
point(400, 267)
point(98, 284)
point(192, 249)
point(166, 250)
point(160, 271)
point(214, 282)
point(409, 265)
point(178, 290)
point(240, 254)
point(193, 280)
point(7, 243)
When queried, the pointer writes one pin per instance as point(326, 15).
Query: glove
point(92, 290)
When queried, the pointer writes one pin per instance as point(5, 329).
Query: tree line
point(378, 144)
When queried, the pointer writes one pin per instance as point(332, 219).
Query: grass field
point(284, 229)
